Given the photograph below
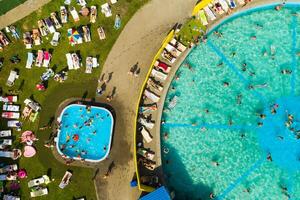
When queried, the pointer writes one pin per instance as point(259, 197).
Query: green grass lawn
point(6, 5)
point(78, 84)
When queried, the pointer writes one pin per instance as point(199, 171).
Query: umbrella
point(22, 173)
point(74, 36)
point(29, 151)
point(84, 11)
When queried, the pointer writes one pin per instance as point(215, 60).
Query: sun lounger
point(43, 28)
point(63, 14)
point(147, 124)
point(9, 99)
point(14, 154)
point(209, 13)
point(27, 40)
point(146, 153)
point(154, 85)
point(10, 115)
point(39, 59)
point(175, 43)
point(202, 17)
point(216, 7)
point(55, 39)
point(6, 177)
point(5, 133)
point(117, 22)
point(172, 50)
point(89, 65)
point(95, 62)
point(93, 15)
point(3, 39)
point(36, 37)
point(146, 135)
point(55, 20)
point(147, 109)
point(241, 2)
point(47, 75)
point(231, 3)
point(153, 97)
point(5, 143)
point(65, 180)
point(29, 61)
point(33, 105)
point(105, 9)
point(49, 25)
point(168, 56)
point(76, 61)
point(8, 168)
point(74, 14)
point(159, 75)
point(8, 107)
point(14, 32)
point(14, 124)
point(162, 66)
point(86, 33)
point(36, 182)
point(69, 61)
point(39, 192)
point(224, 5)
point(101, 33)
point(81, 3)
point(47, 58)
point(13, 75)
point(10, 197)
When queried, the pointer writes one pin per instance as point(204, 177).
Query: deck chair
point(74, 14)
point(224, 5)
point(145, 123)
point(39, 192)
point(14, 154)
point(5, 133)
point(36, 182)
point(10, 197)
point(69, 61)
point(54, 18)
point(178, 45)
point(105, 9)
point(65, 180)
point(150, 95)
point(209, 13)
point(12, 108)
point(55, 39)
point(203, 17)
point(10, 115)
point(93, 15)
point(159, 75)
point(13, 75)
point(101, 33)
point(172, 50)
point(47, 58)
point(146, 134)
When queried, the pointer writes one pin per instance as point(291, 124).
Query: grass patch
point(6, 5)
point(78, 83)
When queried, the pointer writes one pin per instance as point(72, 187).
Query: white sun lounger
point(29, 60)
point(55, 39)
point(146, 153)
point(40, 192)
point(8, 168)
point(93, 15)
point(101, 33)
point(39, 59)
point(43, 28)
point(55, 20)
point(231, 3)
point(5, 133)
point(168, 56)
point(13, 75)
point(202, 17)
point(13, 108)
point(9, 99)
point(151, 83)
point(5, 142)
point(144, 122)
point(241, 2)
point(153, 97)
point(36, 182)
point(159, 75)
point(86, 33)
point(172, 50)
point(13, 123)
point(47, 58)
point(178, 45)
point(146, 135)
point(224, 5)
point(15, 154)
point(4, 177)
point(10, 115)
point(105, 9)
point(95, 62)
point(65, 180)
point(10, 197)
point(75, 61)
point(63, 14)
point(89, 65)
point(209, 13)
point(74, 14)
point(69, 61)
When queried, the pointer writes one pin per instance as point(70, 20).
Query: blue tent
point(159, 194)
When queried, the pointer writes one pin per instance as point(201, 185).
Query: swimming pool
point(85, 132)
point(234, 130)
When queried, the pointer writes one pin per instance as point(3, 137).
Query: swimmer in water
point(262, 116)
point(253, 37)
point(286, 71)
point(215, 163)
point(166, 135)
point(220, 64)
point(225, 84)
point(68, 137)
point(104, 148)
point(269, 157)
point(260, 124)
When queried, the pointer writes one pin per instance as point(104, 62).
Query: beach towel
point(47, 58)
point(11, 115)
point(105, 9)
point(93, 15)
point(162, 66)
point(29, 60)
point(13, 108)
point(39, 59)
point(74, 14)
point(10, 197)
point(5, 142)
point(69, 61)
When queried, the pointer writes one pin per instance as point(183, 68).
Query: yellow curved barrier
point(142, 187)
point(200, 5)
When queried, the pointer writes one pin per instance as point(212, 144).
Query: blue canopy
point(159, 194)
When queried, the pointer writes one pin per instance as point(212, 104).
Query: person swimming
point(286, 71)
point(225, 84)
point(68, 137)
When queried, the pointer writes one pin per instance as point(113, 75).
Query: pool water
point(239, 141)
point(85, 133)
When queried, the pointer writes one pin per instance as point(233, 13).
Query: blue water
point(227, 140)
point(94, 138)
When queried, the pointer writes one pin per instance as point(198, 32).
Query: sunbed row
point(42, 58)
point(73, 62)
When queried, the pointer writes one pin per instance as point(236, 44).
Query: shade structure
point(74, 37)
point(160, 193)
point(29, 151)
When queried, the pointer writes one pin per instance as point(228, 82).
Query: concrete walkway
point(139, 42)
point(21, 11)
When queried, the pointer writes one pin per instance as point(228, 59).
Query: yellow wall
point(165, 42)
point(200, 5)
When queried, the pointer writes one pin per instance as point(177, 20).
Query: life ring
point(166, 150)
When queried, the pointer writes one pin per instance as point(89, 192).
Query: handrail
point(142, 187)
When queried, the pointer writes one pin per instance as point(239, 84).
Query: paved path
point(139, 42)
point(21, 11)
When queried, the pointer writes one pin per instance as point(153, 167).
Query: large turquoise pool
point(85, 132)
point(235, 129)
